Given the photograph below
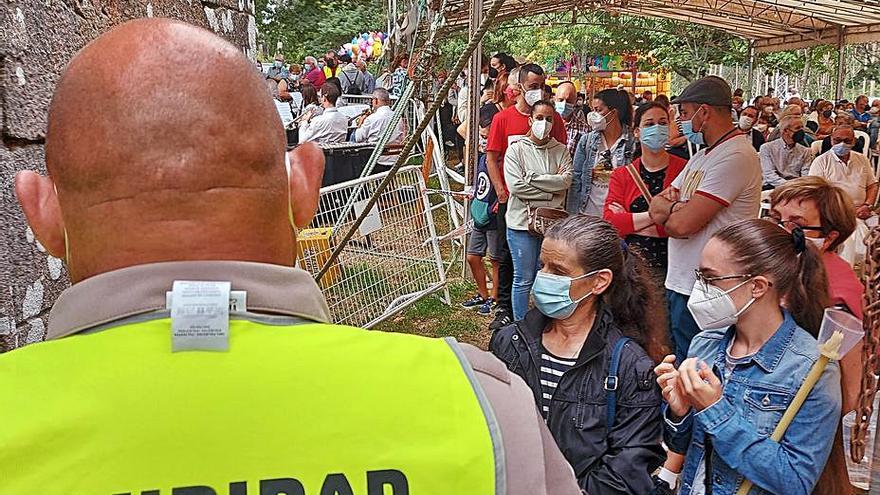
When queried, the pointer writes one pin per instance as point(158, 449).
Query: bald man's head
point(162, 158)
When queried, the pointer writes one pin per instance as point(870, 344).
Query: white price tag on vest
point(200, 316)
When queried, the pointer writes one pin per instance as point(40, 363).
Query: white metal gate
point(393, 260)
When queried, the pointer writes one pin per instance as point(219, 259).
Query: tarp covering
point(773, 25)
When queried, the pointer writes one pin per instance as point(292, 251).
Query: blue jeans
point(525, 249)
point(681, 323)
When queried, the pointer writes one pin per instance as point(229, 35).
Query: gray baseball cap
point(710, 90)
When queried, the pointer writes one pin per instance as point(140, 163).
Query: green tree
point(311, 27)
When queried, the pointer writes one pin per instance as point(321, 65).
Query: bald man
point(189, 357)
point(575, 124)
point(849, 170)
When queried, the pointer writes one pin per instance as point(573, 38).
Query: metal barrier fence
point(393, 260)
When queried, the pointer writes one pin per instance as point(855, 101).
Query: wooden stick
point(829, 348)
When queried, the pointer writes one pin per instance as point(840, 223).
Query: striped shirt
point(552, 369)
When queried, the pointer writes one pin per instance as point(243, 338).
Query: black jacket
point(617, 462)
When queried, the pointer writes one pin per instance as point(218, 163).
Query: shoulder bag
point(542, 218)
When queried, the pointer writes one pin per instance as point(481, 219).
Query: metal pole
point(411, 140)
point(841, 63)
point(751, 88)
point(473, 134)
point(736, 76)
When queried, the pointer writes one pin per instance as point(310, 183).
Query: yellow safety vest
point(307, 409)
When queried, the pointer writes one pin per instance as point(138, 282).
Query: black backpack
point(353, 88)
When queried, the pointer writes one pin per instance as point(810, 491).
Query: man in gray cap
point(720, 185)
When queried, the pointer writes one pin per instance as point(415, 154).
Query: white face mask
point(540, 129)
point(597, 121)
point(746, 122)
point(819, 242)
point(713, 308)
point(533, 96)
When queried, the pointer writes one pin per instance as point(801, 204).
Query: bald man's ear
point(306, 174)
point(39, 201)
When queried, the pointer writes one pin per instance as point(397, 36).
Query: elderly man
point(369, 80)
point(850, 171)
point(277, 72)
point(785, 158)
point(329, 127)
point(575, 123)
point(240, 376)
point(313, 73)
point(844, 119)
point(371, 127)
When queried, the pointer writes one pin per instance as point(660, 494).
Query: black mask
point(799, 136)
point(493, 72)
point(827, 114)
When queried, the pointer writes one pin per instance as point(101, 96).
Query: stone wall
point(37, 39)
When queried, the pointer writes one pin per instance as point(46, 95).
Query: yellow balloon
point(377, 49)
point(355, 49)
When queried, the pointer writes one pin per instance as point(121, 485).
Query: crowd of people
point(708, 236)
point(625, 241)
point(651, 327)
point(308, 97)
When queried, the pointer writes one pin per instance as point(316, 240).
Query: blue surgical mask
point(552, 294)
point(564, 108)
point(841, 149)
point(655, 137)
point(687, 128)
point(278, 63)
point(307, 68)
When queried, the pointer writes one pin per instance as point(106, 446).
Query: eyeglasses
point(790, 225)
point(706, 281)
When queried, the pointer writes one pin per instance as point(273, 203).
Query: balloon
point(354, 49)
point(369, 51)
point(377, 50)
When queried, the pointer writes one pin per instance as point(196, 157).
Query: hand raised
point(701, 387)
point(670, 384)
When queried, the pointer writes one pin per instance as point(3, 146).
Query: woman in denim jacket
point(609, 145)
point(745, 368)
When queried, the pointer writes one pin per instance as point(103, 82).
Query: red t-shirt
point(843, 285)
point(317, 78)
point(509, 126)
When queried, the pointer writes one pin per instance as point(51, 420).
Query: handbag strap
point(612, 382)
point(631, 168)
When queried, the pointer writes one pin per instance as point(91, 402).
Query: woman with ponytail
point(596, 306)
point(759, 298)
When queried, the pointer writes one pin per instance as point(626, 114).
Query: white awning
point(773, 25)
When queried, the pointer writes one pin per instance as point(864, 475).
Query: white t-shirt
point(854, 177)
point(729, 174)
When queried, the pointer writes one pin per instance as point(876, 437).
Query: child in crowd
point(483, 240)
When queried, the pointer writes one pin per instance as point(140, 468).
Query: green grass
point(431, 317)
